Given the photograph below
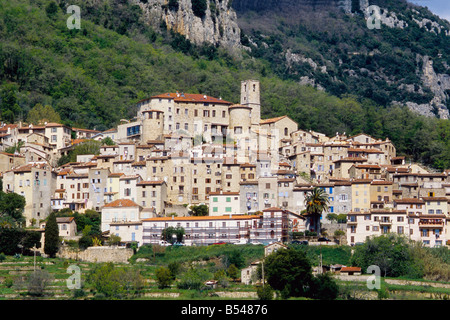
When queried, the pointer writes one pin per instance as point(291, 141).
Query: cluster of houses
point(184, 150)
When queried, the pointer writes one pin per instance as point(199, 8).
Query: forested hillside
point(316, 42)
point(94, 76)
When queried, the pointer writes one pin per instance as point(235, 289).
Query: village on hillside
point(183, 151)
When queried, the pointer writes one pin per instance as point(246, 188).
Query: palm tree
point(316, 202)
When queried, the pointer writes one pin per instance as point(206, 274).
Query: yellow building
point(361, 194)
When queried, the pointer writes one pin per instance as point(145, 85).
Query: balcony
point(431, 223)
point(385, 222)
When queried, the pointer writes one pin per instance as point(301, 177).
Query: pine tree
point(51, 244)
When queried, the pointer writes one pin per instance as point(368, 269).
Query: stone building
point(35, 182)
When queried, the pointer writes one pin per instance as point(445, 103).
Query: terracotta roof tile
point(190, 97)
point(121, 203)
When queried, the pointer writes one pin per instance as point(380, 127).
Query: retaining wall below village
point(98, 254)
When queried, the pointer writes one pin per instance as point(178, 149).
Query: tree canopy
point(40, 114)
point(11, 209)
point(51, 243)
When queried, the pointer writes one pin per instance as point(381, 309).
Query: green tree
point(233, 272)
point(11, 209)
point(9, 108)
point(108, 141)
point(199, 7)
point(339, 234)
point(173, 5)
point(15, 148)
point(171, 234)
point(174, 268)
point(40, 114)
point(51, 9)
point(316, 202)
point(51, 243)
point(289, 272)
point(200, 210)
point(391, 253)
point(164, 277)
point(17, 240)
point(324, 287)
point(86, 147)
point(264, 292)
point(114, 283)
point(235, 257)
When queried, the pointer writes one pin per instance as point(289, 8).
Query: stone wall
point(332, 227)
point(98, 254)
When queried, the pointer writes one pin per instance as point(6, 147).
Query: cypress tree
point(51, 244)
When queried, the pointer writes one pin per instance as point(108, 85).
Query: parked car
point(219, 243)
point(164, 243)
point(178, 244)
point(323, 239)
point(304, 242)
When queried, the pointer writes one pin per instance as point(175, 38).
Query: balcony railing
point(431, 223)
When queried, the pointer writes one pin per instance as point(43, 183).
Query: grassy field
point(206, 262)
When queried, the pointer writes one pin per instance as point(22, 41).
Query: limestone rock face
point(438, 84)
point(217, 26)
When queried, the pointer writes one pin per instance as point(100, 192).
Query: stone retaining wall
point(98, 254)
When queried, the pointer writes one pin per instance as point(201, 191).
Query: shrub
point(199, 7)
point(164, 277)
point(324, 287)
point(264, 292)
point(233, 272)
point(37, 281)
point(114, 283)
point(193, 279)
point(173, 5)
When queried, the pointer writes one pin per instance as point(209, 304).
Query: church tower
point(152, 125)
point(250, 98)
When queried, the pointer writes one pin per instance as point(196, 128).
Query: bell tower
point(250, 91)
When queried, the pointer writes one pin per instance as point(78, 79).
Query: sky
point(440, 8)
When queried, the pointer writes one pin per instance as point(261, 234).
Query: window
point(228, 199)
point(215, 199)
point(215, 209)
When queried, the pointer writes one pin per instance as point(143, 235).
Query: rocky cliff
point(207, 21)
point(439, 84)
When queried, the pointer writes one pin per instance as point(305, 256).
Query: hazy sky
point(440, 8)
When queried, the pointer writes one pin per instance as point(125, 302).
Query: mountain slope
point(316, 42)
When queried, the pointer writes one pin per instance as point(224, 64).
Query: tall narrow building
point(250, 97)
